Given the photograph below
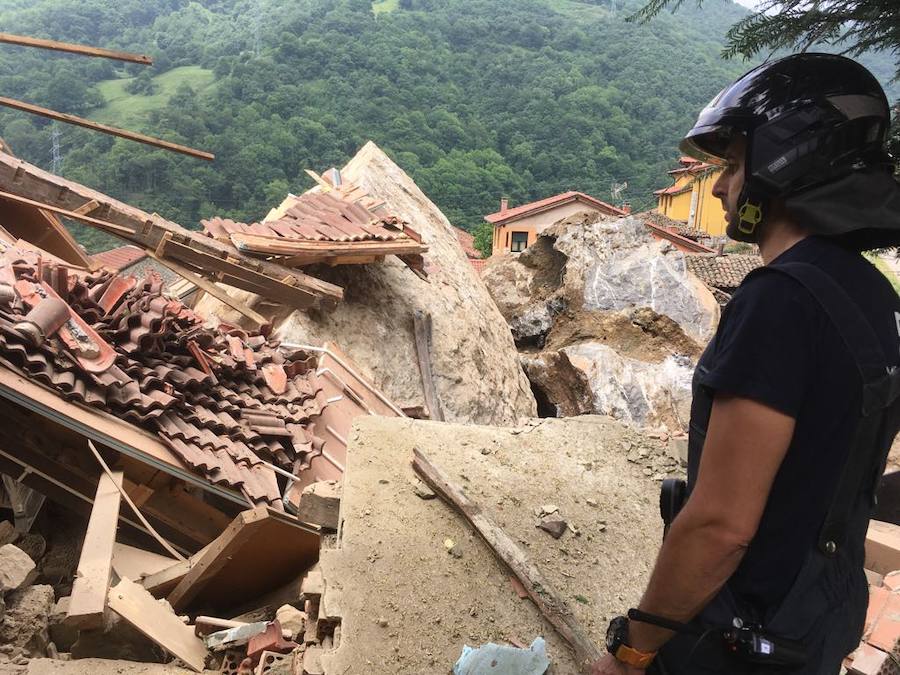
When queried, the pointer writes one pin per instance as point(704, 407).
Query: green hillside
point(133, 110)
point(476, 99)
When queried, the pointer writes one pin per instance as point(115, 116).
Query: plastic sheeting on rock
point(491, 659)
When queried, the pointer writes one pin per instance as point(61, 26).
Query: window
point(519, 242)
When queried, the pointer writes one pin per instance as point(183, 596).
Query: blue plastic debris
point(491, 659)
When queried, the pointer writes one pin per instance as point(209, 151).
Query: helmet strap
point(752, 209)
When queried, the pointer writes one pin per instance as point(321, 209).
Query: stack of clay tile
point(228, 403)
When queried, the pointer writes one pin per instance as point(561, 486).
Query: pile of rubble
point(607, 319)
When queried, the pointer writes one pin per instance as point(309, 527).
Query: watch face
point(615, 634)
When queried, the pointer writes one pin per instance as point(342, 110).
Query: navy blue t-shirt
point(776, 345)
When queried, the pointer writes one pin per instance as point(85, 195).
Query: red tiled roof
point(478, 264)
point(673, 190)
point(467, 241)
point(316, 217)
point(117, 259)
point(543, 204)
point(228, 403)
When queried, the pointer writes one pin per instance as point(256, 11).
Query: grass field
point(383, 6)
point(130, 110)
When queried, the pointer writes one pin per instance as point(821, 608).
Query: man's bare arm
point(745, 445)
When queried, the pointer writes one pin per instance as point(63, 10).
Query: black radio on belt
point(672, 496)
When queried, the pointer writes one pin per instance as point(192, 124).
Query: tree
point(484, 238)
point(894, 134)
point(858, 25)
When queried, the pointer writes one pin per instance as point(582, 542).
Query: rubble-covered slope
point(477, 375)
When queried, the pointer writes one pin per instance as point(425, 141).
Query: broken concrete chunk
point(423, 491)
point(17, 569)
point(320, 504)
point(27, 619)
point(291, 619)
point(8, 533)
point(555, 527)
point(548, 509)
point(313, 584)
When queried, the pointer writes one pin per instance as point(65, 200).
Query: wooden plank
point(134, 604)
point(83, 50)
point(209, 287)
point(104, 128)
point(294, 247)
point(536, 585)
point(44, 230)
point(422, 329)
point(91, 585)
point(258, 551)
point(135, 563)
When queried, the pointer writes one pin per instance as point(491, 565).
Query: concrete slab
point(409, 604)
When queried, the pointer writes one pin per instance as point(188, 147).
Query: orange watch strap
point(633, 657)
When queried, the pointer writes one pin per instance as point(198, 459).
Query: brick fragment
point(886, 633)
point(878, 598)
point(867, 660)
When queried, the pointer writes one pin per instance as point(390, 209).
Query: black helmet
point(810, 120)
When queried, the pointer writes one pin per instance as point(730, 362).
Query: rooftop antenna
point(55, 156)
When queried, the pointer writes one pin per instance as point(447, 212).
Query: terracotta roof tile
point(724, 272)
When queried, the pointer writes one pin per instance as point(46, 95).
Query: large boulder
point(608, 319)
point(17, 569)
point(477, 375)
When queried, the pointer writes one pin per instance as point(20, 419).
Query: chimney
point(504, 205)
point(626, 207)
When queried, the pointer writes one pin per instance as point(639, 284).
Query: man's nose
point(720, 189)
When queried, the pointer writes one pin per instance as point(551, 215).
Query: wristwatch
point(616, 644)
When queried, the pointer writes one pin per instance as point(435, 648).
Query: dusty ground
point(408, 606)
point(92, 667)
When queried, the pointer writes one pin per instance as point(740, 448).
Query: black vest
point(825, 607)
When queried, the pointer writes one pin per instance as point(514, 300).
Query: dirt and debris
point(434, 603)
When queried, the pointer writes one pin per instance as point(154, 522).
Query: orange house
point(515, 229)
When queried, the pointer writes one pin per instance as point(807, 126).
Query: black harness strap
point(881, 387)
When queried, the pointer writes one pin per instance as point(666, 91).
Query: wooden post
point(105, 128)
point(83, 50)
point(422, 328)
point(95, 565)
point(551, 605)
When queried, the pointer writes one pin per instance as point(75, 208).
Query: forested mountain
point(476, 99)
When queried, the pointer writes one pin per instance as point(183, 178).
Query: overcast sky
point(746, 3)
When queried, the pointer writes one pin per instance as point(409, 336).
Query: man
point(795, 399)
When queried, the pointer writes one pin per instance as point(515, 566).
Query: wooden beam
point(211, 288)
point(538, 588)
point(74, 215)
point(422, 329)
point(83, 50)
point(259, 550)
point(134, 604)
point(104, 128)
point(259, 243)
point(201, 254)
point(91, 585)
point(41, 228)
point(135, 563)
